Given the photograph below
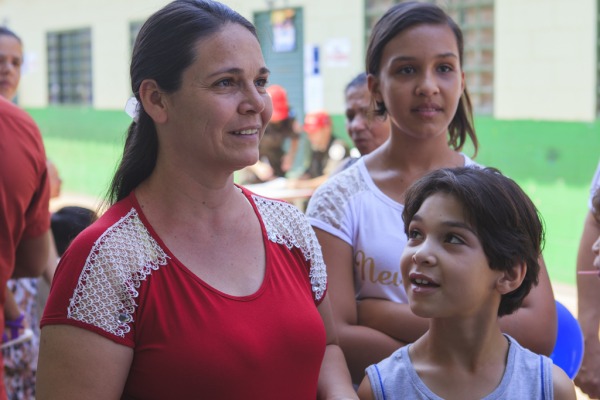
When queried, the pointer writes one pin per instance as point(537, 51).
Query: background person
point(367, 130)
point(414, 66)
point(474, 241)
point(279, 145)
point(25, 229)
point(327, 152)
point(149, 301)
point(588, 296)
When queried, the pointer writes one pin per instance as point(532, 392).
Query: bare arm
point(52, 262)
point(362, 346)
point(288, 158)
point(394, 319)
point(80, 365)
point(365, 391)
point(334, 377)
point(588, 298)
point(563, 386)
point(32, 256)
point(534, 324)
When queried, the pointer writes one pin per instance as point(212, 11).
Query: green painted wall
point(553, 161)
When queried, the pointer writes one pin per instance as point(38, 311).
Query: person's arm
point(588, 315)
point(563, 386)
point(287, 161)
point(32, 255)
point(334, 377)
point(80, 365)
point(365, 392)
point(394, 319)
point(362, 346)
point(534, 325)
point(52, 262)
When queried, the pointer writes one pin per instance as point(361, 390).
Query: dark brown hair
point(504, 218)
point(164, 48)
point(401, 17)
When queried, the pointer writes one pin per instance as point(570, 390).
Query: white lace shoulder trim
point(120, 259)
point(329, 202)
point(286, 225)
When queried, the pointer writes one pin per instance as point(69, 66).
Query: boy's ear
point(153, 101)
point(511, 279)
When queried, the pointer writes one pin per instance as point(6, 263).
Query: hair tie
point(132, 108)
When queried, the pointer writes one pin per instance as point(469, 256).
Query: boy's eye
point(414, 234)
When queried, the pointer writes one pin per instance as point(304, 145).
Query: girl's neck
point(403, 153)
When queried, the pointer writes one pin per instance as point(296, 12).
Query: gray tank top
point(527, 376)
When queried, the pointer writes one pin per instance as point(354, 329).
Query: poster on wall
point(284, 30)
point(337, 52)
point(313, 79)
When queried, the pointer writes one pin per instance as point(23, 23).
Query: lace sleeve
point(119, 261)
point(328, 208)
point(286, 225)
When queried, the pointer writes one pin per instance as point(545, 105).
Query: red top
point(24, 189)
point(190, 340)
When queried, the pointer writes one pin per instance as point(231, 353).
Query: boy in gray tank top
point(474, 240)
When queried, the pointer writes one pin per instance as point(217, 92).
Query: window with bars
point(70, 67)
point(476, 19)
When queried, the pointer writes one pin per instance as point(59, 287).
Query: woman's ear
point(373, 86)
point(153, 101)
point(511, 279)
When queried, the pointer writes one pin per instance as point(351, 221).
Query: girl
point(414, 67)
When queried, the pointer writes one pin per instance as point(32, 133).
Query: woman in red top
point(189, 286)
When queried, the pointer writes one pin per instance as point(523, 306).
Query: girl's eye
point(406, 70)
point(445, 68)
point(453, 239)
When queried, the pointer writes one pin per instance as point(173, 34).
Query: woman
point(414, 67)
point(189, 286)
point(367, 131)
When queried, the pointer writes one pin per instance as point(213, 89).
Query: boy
point(474, 239)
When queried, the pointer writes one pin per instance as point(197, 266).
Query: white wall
point(545, 60)
point(109, 21)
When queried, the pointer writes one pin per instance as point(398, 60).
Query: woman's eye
point(225, 82)
point(407, 70)
point(445, 68)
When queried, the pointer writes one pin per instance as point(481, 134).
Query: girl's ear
point(374, 87)
point(153, 101)
point(511, 279)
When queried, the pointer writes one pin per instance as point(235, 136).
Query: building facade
point(524, 59)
